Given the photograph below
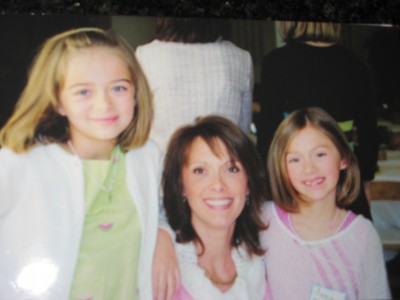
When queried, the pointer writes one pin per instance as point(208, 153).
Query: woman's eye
point(233, 169)
point(198, 171)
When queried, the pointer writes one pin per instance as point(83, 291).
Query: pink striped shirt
point(348, 264)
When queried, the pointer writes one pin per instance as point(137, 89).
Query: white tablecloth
point(389, 170)
point(386, 213)
point(386, 217)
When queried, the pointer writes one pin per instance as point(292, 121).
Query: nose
point(103, 101)
point(218, 183)
point(309, 166)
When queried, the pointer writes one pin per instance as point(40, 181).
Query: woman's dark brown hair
point(240, 148)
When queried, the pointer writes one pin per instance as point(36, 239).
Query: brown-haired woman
point(214, 186)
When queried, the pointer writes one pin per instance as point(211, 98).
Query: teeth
point(313, 182)
point(219, 202)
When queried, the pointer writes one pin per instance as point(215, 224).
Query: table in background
point(385, 205)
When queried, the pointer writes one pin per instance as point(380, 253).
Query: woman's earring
point(184, 199)
point(247, 199)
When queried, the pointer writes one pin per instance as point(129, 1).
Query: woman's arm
point(166, 277)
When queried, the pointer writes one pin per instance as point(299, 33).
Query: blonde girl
point(316, 249)
point(78, 177)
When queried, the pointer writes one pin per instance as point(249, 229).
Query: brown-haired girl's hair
point(282, 190)
point(240, 148)
point(35, 118)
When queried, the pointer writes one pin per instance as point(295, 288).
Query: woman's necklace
point(217, 281)
point(98, 182)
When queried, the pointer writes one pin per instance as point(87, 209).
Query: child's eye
point(119, 88)
point(321, 154)
point(293, 160)
point(84, 92)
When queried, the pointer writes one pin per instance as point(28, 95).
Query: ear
point(343, 164)
point(60, 110)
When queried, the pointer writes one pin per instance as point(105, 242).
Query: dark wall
point(379, 48)
point(21, 37)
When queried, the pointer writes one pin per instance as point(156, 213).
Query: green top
point(348, 129)
point(107, 264)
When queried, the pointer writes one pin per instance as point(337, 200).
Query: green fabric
point(346, 125)
point(107, 266)
point(347, 128)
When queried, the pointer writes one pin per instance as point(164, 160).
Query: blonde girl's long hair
point(35, 118)
point(309, 31)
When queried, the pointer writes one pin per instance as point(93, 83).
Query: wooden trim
point(385, 190)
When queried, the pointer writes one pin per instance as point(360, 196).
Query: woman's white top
point(250, 282)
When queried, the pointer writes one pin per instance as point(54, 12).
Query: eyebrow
point(204, 162)
point(315, 148)
point(84, 84)
point(122, 79)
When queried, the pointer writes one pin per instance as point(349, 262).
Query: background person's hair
point(190, 30)
point(282, 190)
point(309, 31)
point(240, 148)
point(35, 118)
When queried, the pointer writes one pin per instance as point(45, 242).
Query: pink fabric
point(347, 221)
point(268, 295)
point(285, 219)
point(351, 261)
point(284, 216)
point(182, 294)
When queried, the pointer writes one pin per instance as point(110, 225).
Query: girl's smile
point(314, 182)
point(106, 120)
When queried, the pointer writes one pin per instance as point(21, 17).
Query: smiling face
point(214, 186)
point(97, 96)
point(313, 164)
